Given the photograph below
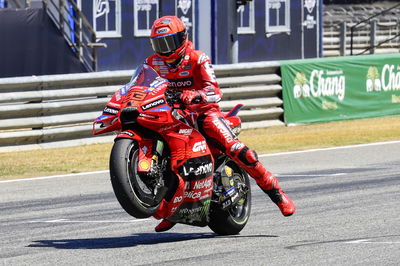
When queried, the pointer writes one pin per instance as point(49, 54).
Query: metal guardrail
point(57, 110)
point(367, 21)
point(358, 29)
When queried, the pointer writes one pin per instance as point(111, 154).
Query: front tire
point(133, 195)
point(234, 219)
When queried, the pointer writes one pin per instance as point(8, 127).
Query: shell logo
point(144, 164)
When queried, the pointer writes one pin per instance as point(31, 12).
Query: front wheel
point(232, 220)
point(137, 194)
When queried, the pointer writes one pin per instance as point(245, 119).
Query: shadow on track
point(130, 241)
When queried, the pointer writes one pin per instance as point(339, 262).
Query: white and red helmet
point(169, 38)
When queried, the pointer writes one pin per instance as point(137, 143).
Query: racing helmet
point(169, 38)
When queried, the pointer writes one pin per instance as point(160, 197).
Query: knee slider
point(248, 156)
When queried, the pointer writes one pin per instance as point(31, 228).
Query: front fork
point(151, 163)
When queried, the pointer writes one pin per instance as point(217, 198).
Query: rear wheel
point(232, 220)
point(137, 193)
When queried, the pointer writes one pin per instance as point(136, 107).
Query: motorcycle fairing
point(198, 175)
point(193, 164)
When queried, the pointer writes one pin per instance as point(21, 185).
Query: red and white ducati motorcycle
point(162, 166)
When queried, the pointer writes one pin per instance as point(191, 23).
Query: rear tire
point(134, 197)
point(234, 219)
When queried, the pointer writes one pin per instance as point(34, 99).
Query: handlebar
point(173, 97)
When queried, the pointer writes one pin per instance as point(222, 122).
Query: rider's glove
point(192, 97)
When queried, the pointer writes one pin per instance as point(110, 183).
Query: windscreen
point(144, 76)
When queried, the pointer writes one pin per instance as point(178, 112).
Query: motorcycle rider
point(191, 72)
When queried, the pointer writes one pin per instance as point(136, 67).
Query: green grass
point(268, 140)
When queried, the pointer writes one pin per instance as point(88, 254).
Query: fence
point(361, 29)
point(57, 110)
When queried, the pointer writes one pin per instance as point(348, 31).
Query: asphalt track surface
point(348, 213)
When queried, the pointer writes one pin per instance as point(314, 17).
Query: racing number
point(134, 95)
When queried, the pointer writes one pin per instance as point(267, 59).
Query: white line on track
point(332, 148)
point(262, 155)
point(92, 221)
point(336, 174)
point(368, 241)
point(53, 176)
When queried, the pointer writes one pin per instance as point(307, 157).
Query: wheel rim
point(240, 211)
point(143, 193)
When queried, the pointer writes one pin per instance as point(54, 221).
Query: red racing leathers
point(195, 77)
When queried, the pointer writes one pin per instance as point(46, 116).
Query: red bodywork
point(190, 156)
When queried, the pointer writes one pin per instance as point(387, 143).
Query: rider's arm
point(207, 79)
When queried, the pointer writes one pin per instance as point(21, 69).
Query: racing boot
point(165, 225)
point(269, 184)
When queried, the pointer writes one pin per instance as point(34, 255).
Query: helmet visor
point(167, 44)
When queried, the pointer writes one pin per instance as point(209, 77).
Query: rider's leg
point(215, 128)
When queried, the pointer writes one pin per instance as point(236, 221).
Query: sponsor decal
point(388, 80)
point(223, 128)
point(237, 146)
point(124, 90)
point(198, 190)
point(321, 83)
point(395, 98)
point(197, 210)
point(188, 66)
point(157, 82)
point(309, 4)
point(187, 211)
point(210, 71)
point(127, 133)
point(144, 165)
point(181, 83)
point(118, 95)
point(203, 184)
point(184, 5)
point(185, 131)
point(157, 63)
point(197, 168)
point(192, 195)
point(178, 199)
point(116, 105)
point(153, 104)
point(148, 116)
point(200, 170)
point(162, 30)
point(110, 110)
point(184, 73)
point(155, 90)
point(200, 146)
point(310, 22)
point(165, 21)
point(228, 171)
point(203, 58)
point(326, 105)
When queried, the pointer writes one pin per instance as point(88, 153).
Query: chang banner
point(341, 88)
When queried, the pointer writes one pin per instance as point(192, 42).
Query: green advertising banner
point(341, 88)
